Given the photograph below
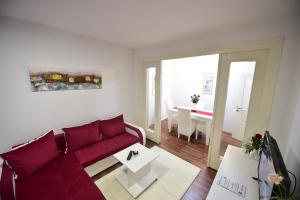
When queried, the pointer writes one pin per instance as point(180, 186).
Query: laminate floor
point(194, 152)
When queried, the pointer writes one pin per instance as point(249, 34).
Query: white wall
point(26, 114)
point(292, 155)
point(184, 77)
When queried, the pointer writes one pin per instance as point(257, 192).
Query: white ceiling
point(140, 23)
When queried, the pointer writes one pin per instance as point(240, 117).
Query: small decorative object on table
point(232, 186)
point(195, 99)
point(135, 153)
point(282, 193)
point(254, 146)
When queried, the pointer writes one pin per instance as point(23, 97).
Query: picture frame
point(208, 83)
point(52, 79)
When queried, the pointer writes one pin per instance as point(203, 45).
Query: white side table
point(136, 174)
point(236, 165)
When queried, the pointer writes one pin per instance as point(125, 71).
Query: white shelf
point(237, 166)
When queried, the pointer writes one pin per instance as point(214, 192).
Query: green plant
point(255, 144)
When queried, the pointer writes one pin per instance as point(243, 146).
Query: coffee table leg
point(136, 183)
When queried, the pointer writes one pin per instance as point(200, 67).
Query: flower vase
point(254, 155)
point(194, 106)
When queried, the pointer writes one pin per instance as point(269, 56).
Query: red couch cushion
point(112, 127)
point(61, 179)
point(81, 136)
point(105, 148)
point(27, 158)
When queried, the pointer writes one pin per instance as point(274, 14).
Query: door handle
point(238, 109)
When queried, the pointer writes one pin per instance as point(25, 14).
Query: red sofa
point(67, 176)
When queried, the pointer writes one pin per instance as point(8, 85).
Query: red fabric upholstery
point(61, 142)
point(6, 183)
point(105, 148)
point(137, 131)
point(62, 179)
point(26, 159)
point(81, 136)
point(112, 127)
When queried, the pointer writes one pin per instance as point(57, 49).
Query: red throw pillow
point(112, 127)
point(25, 159)
point(80, 136)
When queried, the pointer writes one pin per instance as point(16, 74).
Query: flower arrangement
point(255, 144)
point(275, 178)
point(282, 193)
point(195, 98)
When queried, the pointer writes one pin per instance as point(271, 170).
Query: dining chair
point(186, 126)
point(172, 114)
point(201, 126)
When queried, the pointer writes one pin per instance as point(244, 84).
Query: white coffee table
point(136, 174)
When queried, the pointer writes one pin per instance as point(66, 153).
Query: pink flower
point(275, 178)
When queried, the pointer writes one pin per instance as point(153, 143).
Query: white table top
point(201, 116)
point(237, 166)
point(144, 157)
point(197, 115)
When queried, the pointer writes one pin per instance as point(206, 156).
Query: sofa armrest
point(136, 131)
point(6, 183)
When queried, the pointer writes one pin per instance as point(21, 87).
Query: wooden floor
point(226, 140)
point(194, 152)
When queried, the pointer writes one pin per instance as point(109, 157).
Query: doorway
point(252, 106)
point(237, 103)
point(152, 71)
point(266, 56)
point(182, 79)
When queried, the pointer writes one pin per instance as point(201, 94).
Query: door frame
point(260, 104)
point(154, 135)
point(272, 45)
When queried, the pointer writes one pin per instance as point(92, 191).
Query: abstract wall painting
point(52, 80)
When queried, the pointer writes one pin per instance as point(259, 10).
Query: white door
point(243, 105)
point(153, 96)
point(238, 98)
point(260, 102)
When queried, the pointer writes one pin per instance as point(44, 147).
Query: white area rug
point(174, 178)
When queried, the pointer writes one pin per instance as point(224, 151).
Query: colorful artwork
point(50, 80)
